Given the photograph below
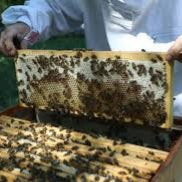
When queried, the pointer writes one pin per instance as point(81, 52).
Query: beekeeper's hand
point(8, 36)
point(175, 52)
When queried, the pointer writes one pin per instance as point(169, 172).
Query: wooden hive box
point(81, 144)
point(31, 151)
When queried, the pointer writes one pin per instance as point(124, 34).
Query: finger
point(2, 35)
point(180, 57)
point(174, 52)
point(9, 46)
point(24, 44)
point(2, 47)
point(6, 43)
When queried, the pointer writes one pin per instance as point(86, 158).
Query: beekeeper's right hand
point(7, 37)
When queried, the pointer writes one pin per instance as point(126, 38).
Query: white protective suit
point(127, 25)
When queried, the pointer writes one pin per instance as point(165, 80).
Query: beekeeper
point(127, 25)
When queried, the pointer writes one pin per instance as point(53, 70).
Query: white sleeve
point(46, 17)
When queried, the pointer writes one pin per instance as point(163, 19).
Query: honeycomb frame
point(43, 70)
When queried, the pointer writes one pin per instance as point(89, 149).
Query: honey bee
point(143, 50)
point(86, 59)
point(34, 77)
point(150, 94)
point(118, 57)
point(78, 55)
point(51, 58)
point(151, 71)
point(87, 142)
point(151, 153)
point(80, 76)
point(23, 93)
point(12, 121)
point(112, 71)
point(21, 83)
point(28, 87)
point(124, 152)
point(160, 75)
point(22, 59)
point(154, 79)
point(72, 63)
point(97, 178)
point(134, 82)
point(65, 71)
point(19, 70)
point(159, 72)
point(40, 70)
point(130, 73)
point(78, 62)
point(134, 66)
point(112, 153)
point(84, 137)
point(64, 56)
point(93, 56)
point(91, 149)
point(122, 173)
point(34, 61)
point(75, 148)
point(159, 57)
point(59, 57)
point(115, 142)
point(116, 162)
point(141, 70)
point(154, 60)
point(165, 86)
point(29, 67)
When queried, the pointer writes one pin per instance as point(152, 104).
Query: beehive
point(31, 151)
point(125, 87)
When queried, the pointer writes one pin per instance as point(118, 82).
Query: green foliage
point(8, 89)
point(6, 3)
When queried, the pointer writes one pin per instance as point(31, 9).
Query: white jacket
point(127, 25)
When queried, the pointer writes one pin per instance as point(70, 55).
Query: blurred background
point(8, 88)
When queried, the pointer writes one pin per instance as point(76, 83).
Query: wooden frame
point(125, 56)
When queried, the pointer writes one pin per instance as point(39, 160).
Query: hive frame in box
point(124, 56)
point(169, 170)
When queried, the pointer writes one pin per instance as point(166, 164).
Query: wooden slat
point(133, 150)
point(92, 177)
point(169, 94)
point(9, 177)
point(100, 54)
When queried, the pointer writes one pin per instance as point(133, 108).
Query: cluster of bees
point(109, 88)
point(50, 153)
